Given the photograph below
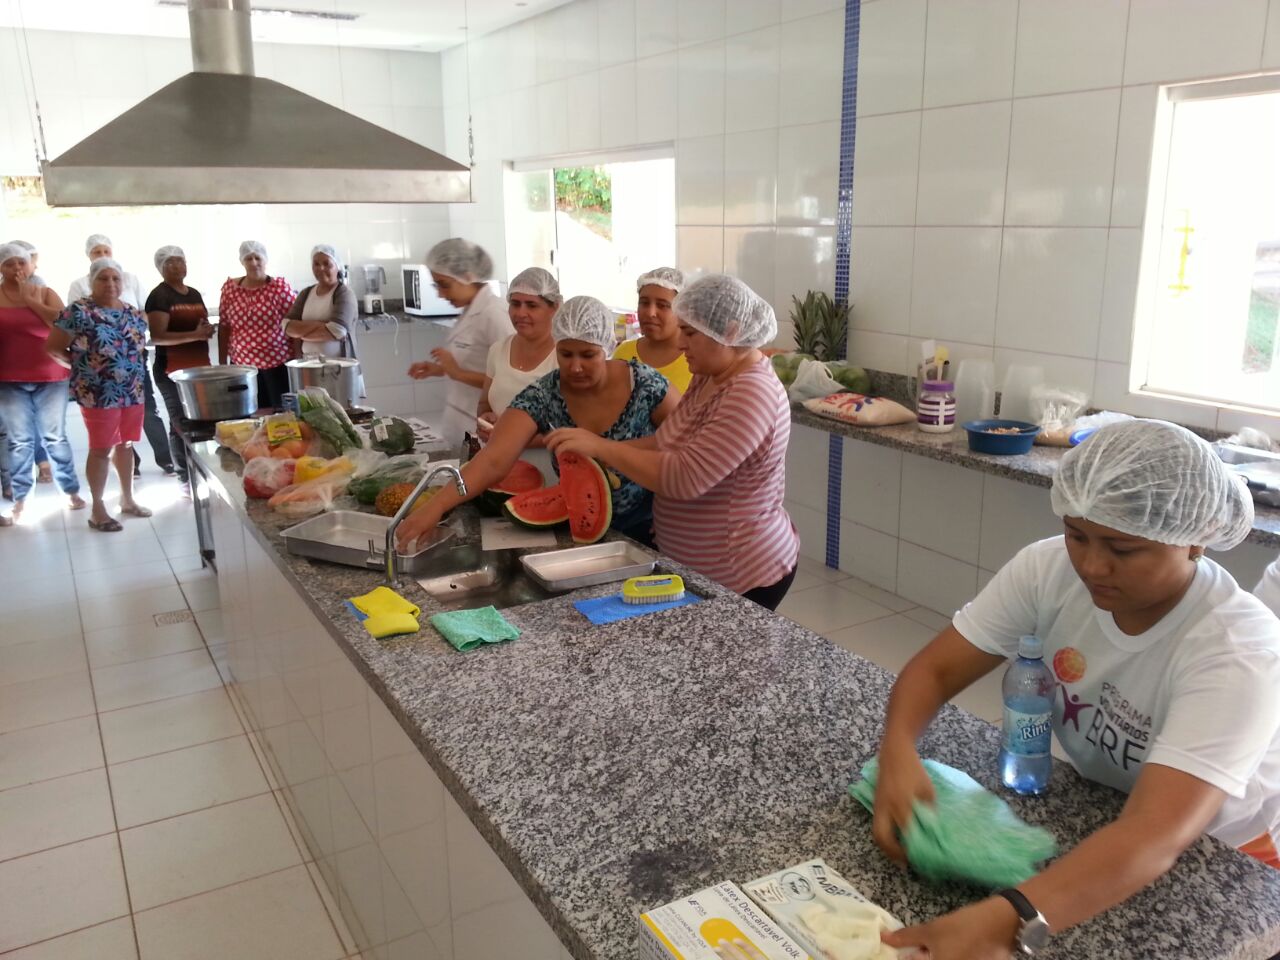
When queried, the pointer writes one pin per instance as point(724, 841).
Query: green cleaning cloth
point(969, 834)
point(467, 629)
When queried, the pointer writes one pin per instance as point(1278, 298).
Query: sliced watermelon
point(538, 508)
point(521, 478)
point(587, 497)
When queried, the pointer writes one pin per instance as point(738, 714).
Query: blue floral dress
point(108, 354)
point(543, 401)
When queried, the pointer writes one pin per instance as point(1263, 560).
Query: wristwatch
point(1033, 933)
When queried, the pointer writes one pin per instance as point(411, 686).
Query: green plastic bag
point(969, 834)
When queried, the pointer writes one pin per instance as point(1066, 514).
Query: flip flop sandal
point(135, 511)
point(109, 525)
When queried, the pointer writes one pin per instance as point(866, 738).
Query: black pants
point(769, 597)
point(272, 385)
point(153, 427)
point(173, 407)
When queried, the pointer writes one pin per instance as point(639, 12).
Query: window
point(1209, 290)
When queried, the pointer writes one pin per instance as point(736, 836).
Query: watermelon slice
point(587, 497)
point(538, 508)
point(522, 478)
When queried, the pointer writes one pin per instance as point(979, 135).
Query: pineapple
point(834, 333)
point(821, 326)
point(806, 321)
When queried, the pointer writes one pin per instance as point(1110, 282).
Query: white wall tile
point(553, 117)
point(1074, 373)
point(871, 486)
point(365, 77)
point(700, 181)
point(656, 24)
point(415, 80)
point(806, 261)
point(969, 51)
point(751, 81)
point(750, 172)
point(618, 105)
point(964, 155)
point(808, 173)
point(1069, 46)
point(891, 56)
point(1119, 294)
point(700, 248)
point(617, 31)
point(750, 254)
point(1051, 290)
point(1133, 156)
point(793, 9)
point(807, 455)
point(811, 67)
point(934, 581)
point(953, 283)
point(701, 86)
point(1172, 40)
point(656, 100)
point(581, 37)
point(880, 278)
point(744, 15)
point(522, 49)
point(1246, 563)
point(869, 555)
point(584, 108)
point(880, 351)
point(1111, 392)
point(313, 70)
point(941, 507)
point(1271, 42)
point(167, 59)
point(886, 159)
point(698, 21)
point(1062, 159)
point(549, 32)
point(811, 524)
point(1013, 515)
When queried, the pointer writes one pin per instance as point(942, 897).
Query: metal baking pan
point(356, 539)
point(587, 566)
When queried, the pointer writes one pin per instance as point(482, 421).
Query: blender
point(374, 278)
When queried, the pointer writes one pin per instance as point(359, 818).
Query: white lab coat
point(482, 324)
point(1268, 588)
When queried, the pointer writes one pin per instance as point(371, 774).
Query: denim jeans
point(168, 391)
point(32, 411)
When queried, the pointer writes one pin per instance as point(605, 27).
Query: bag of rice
point(860, 410)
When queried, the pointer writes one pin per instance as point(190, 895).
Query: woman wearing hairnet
point(588, 390)
point(717, 466)
point(323, 316)
point(461, 271)
point(526, 356)
point(251, 312)
point(659, 343)
point(1167, 672)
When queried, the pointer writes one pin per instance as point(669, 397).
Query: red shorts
point(109, 426)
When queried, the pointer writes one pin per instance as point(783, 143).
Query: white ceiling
point(399, 24)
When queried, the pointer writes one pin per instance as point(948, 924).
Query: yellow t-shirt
point(677, 371)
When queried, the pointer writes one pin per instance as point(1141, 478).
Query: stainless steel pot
point(217, 393)
point(340, 376)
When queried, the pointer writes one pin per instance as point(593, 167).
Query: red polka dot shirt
point(254, 319)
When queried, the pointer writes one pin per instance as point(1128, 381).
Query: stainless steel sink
point(466, 576)
point(1233, 454)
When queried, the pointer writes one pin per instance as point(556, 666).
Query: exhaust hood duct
point(222, 135)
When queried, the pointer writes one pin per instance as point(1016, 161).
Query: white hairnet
point(96, 240)
point(252, 246)
point(1154, 480)
point(27, 246)
point(104, 263)
point(586, 319)
point(10, 250)
point(329, 251)
point(164, 253)
point(726, 310)
point(538, 283)
point(460, 259)
point(667, 277)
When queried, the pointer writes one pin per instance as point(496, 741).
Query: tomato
point(254, 449)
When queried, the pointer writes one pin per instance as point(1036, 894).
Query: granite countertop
point(616, 768)
point(1036, 468)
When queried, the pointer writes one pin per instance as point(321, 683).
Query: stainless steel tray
point(587, 566)
point(356, 539)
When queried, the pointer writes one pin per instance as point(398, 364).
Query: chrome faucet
point(392, 571)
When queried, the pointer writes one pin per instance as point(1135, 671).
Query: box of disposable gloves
point(719, 923)
point(823, 913)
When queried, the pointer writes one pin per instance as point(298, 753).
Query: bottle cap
point(1031, 648)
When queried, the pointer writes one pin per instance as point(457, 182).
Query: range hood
point(222, 135)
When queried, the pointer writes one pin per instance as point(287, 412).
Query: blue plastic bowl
point(981, 440)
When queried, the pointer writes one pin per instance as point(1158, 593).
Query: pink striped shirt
point(724, 477)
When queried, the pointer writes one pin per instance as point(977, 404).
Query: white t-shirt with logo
point(1199, 691)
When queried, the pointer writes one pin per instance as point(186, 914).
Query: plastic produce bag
point(234, 434)
point(285, 437)
point(314, 496)
point(266, 476)
point(326, 417)
point(813, 380)
point(969, 834)
point(407, 468)
point(1055, 409)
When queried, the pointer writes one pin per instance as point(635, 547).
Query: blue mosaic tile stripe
point(844, 234)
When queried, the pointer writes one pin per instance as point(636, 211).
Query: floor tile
point(126, 578)
point(984, 698)
point(35, 702)
point(51, 563)
point(820, 571)
point(112, 940)
point(134, 607)
point(171, 724)
point(277, 917)
point(934, 621)
point(331, 908)
point(24, 626)
point(888, 643)
point(883, 597)
point(60, 890)
point(53, 812)
point(829, 607)
point(201, 851)
point(191, 568)
point(180, 545)
point(48, 751)
point(102, 554)
point(211, 625)
point(38, 594)
point(202, 595)
point(159, 678)
point(116, 645)
point(39, 659)
point(184, 780)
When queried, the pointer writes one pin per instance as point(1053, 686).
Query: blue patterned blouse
point(108, 353)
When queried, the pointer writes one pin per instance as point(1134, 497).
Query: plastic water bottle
point(1025, 762)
